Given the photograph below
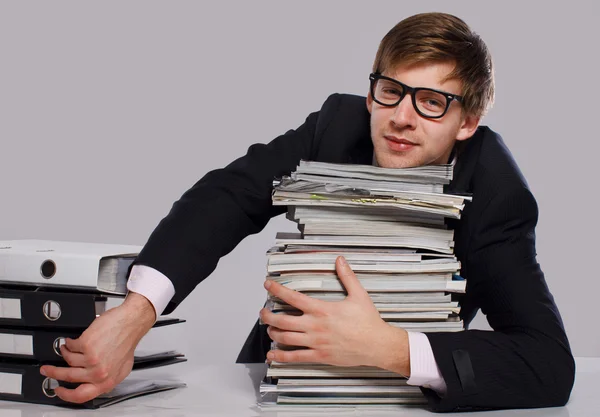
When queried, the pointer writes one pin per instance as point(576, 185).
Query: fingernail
point(43, 371)
point(270, 355)
point(343, 261)
point(267, 284)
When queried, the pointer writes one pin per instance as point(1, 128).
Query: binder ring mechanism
point(51, 310)
point(58, 342)
point(48, 387)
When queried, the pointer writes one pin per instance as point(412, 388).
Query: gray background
point(110, 110)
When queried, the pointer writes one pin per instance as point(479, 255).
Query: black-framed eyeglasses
point(428, 102)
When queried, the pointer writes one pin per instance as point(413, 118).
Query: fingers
point(283, 321)
point(79, 395)
point(294, 298)
point(302, 355)
point(288, 338)
point(74, 345)
point(72, 358)
point(66, 374)
point(348, 279)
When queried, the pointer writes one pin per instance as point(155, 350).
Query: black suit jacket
point(525, 362)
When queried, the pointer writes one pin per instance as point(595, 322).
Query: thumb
point(74, 345)
point(348, 279)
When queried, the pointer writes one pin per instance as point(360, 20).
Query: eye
point(391, 90)
point(431, 101)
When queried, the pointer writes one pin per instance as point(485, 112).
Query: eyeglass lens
point(428, 102)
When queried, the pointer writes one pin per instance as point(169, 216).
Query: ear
point(468, 126)
point(369, 102)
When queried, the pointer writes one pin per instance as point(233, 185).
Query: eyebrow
point(428, 88)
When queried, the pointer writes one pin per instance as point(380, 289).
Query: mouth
point(399, 144)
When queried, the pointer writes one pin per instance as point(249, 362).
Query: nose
point(405, 115)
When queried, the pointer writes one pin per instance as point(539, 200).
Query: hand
point(103, 355)
point(344, 333)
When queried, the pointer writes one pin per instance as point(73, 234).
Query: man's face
point(402, 138)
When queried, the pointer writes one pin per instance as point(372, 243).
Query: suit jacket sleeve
point(526, 361)
point(222, 208)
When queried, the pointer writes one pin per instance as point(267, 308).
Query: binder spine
point(37, 345)
point(34, 309)
point(24, 383)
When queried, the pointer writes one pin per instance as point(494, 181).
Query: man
point(432, 82)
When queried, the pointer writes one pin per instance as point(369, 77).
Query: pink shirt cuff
point(153, 285)
point(424, 371)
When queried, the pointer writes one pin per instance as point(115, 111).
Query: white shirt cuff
point(153, 285)
point(424, 371)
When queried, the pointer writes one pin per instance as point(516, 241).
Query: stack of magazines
point(50, 291)
point(390, 226)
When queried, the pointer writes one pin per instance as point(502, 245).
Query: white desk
point(231, 390)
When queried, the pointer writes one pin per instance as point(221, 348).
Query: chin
point(386, 160)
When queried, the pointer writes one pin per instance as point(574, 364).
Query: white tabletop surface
point(218, 390)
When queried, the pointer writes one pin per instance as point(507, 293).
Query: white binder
point(97, 266)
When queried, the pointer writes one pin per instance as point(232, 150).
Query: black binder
point(39, 345)
point(23, 382)
point(43, 346)
point(27, 308)
point(156, 360)
point(33, 325)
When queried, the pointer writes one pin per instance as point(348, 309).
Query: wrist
point(140, 310)
point(394, 353)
